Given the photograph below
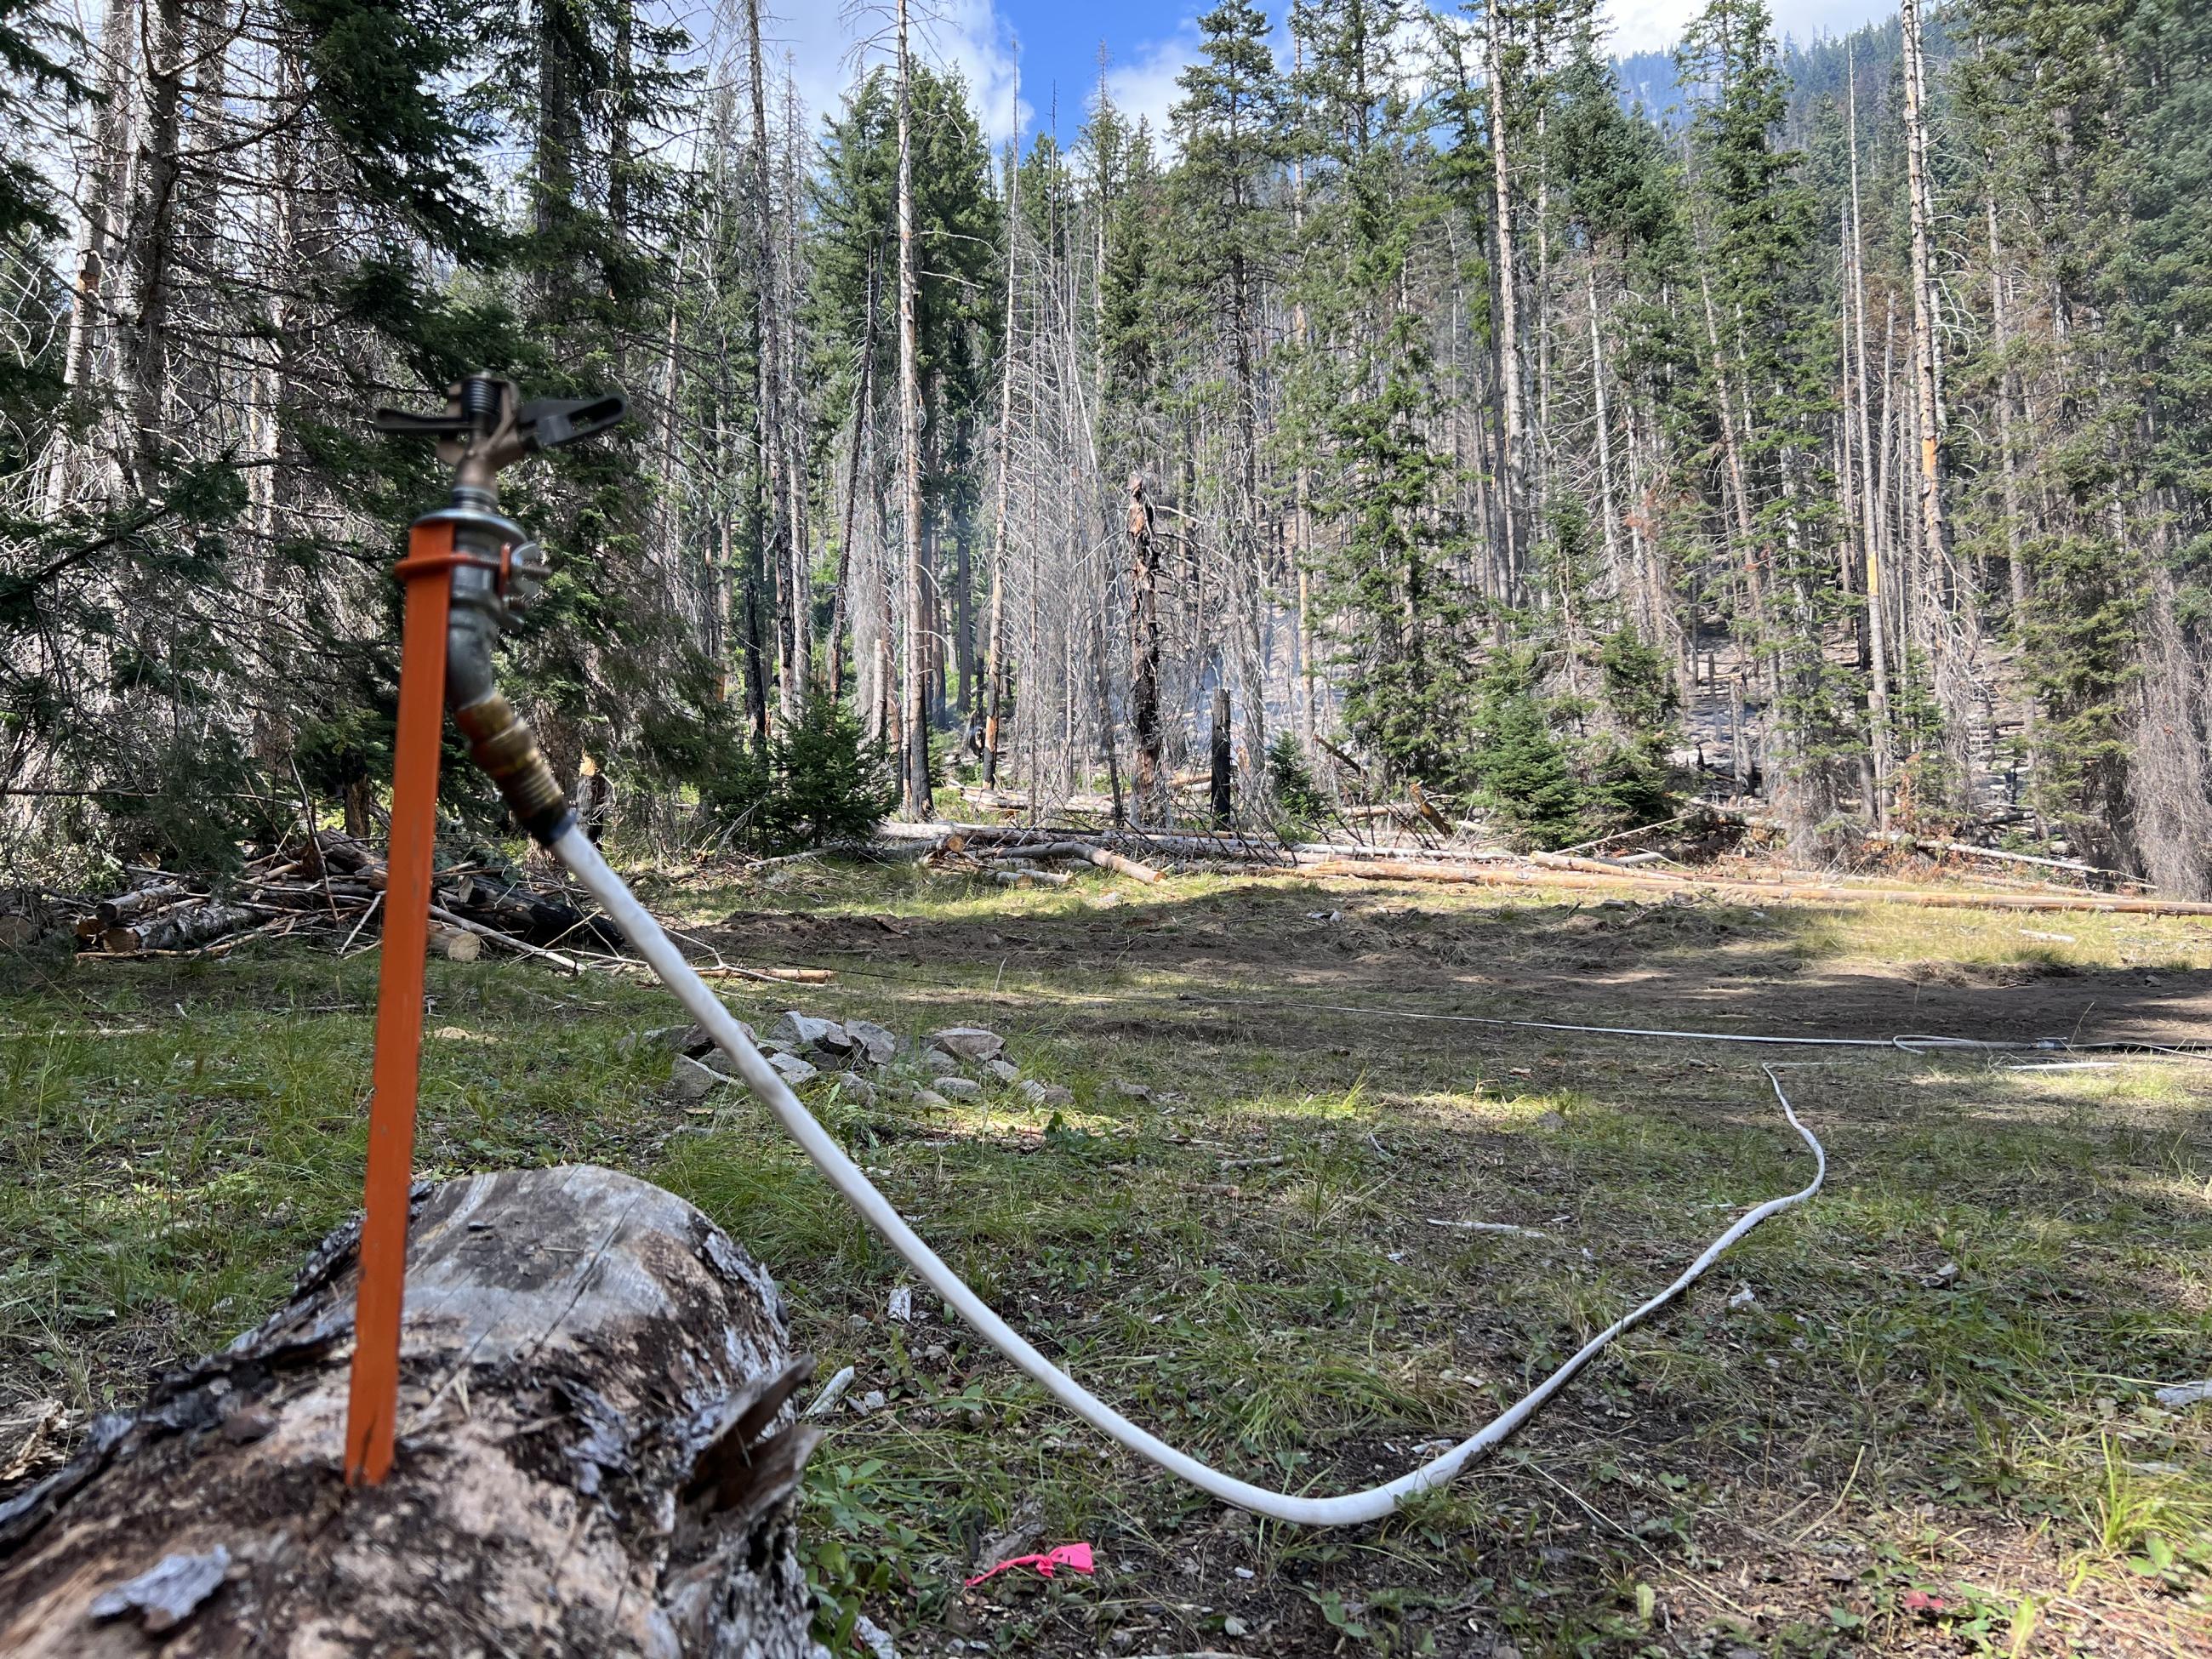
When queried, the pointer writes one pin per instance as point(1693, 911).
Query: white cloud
point(1646, 24)
point(829, 46)
point(828, 42)
point(1145, 83)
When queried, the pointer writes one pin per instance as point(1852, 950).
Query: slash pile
point(330, 887)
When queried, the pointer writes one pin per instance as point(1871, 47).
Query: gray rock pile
point(955, 1062)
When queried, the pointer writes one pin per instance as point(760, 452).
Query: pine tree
point(2047, 98)
point(1366, 393)
point(958, 293)
point(1770, 375)
point(1226, 250)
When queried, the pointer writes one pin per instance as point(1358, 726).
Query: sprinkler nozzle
point(497, 568)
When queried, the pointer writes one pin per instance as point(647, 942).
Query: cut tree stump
point(597, 1456)
point(455, 944)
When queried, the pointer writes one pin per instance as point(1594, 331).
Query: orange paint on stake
point(373, 1396)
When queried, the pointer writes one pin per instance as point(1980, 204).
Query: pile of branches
point(329, 888)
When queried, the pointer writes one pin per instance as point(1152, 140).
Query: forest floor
point(1929, 1429)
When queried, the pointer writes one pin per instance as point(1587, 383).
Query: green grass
point(1940, 1388)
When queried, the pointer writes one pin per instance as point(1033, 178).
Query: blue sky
point(1148, 42)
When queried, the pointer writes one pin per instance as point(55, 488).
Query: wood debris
point(328, 890)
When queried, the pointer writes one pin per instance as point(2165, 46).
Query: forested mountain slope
point(1499, 427)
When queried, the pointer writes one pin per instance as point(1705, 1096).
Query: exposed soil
point(1646, 964)
point(1747, 1515)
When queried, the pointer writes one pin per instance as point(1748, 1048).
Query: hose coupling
point(502, 742)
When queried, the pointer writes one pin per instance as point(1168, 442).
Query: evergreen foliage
point(1509, 419)
point(1520, 765)
point(1297, 793)
point(820, 781)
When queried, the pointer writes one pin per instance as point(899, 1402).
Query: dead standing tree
point(995, 664)
point(1145, 656)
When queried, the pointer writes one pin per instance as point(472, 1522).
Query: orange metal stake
point(373, 1397)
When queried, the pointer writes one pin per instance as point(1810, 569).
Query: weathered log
point(1029, 878)
point(1073, 849)
point(1370, 853)
point(180, 929)
point(342, 852)
point(953, 837)
point(521, 947)
point(456, 946)
point(1121, 866)
point(535, 917)
point(136, 902)
point(596, 1457)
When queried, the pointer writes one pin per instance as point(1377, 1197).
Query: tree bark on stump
point(596, 1455)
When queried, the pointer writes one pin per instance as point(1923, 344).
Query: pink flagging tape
point(1075, 1557)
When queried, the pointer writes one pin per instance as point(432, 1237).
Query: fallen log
point(179, 929)
point(973, 838)
point(136, 902)
point(597, 1456)
point(1359, 852)
point(1100, 856)
point(1395, 811)
point(1626, 835)
point(1911, 843)
point(329, 850)
point(456, 946)
point(1106, 859)
point(1028, 878)
point(1806, 881)
point(505, 941)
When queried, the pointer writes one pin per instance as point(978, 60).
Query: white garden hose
point(583, 861)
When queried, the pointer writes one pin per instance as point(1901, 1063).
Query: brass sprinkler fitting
point(497, 569)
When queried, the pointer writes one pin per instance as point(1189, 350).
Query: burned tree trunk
point(1220, 789)
point(596, 1456)
point(1145, 656)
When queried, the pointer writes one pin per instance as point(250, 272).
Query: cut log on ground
point(772, 975)
point(1075, 850)
point(522, 947)
point(181, 929)
point(1229, 848)
point(1029, 878)
point(125, 906)
point(455, 944)
point(596, 1455)
point(329, 886)
point(1425, 853)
